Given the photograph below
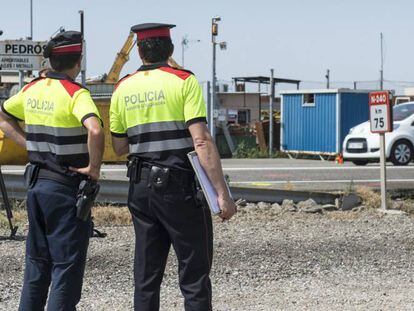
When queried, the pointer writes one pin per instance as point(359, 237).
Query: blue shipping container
point(317, 121)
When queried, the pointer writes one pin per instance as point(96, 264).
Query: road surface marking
point(276, 182)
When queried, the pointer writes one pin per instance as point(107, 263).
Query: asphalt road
point(313, 175)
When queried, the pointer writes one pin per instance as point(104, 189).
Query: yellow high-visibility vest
point(153, 109)
point(54, 109)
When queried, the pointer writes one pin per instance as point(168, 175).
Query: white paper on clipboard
point(208, 189)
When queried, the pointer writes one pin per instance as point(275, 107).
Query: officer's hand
point(90, 171)
point(227, 206)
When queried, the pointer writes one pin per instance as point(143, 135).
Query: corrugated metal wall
point(309, 128)
point(354, 110)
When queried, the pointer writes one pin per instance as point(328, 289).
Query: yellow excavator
point(123, 56)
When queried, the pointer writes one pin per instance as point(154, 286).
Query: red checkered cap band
point(68, 49)
point(153, 33)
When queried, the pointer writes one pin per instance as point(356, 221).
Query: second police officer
point(65, 143)
point(158, 115)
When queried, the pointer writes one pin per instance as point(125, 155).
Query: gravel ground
point(264, 260)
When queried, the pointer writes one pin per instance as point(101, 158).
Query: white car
point(361, 146)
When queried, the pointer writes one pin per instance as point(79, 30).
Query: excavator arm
point(123, 56)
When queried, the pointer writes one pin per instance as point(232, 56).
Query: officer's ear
point(140, 52)
point(172, 50)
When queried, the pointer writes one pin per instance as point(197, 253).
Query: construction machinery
point(121, 58)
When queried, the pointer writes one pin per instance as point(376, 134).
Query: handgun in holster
point(88, 190)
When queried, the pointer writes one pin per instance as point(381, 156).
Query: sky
point(300, 39)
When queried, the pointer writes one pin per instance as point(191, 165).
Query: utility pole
point(271, 97)
point(382, 63)
point(83, 72)
point(327, 78)
point(214, 33)
point(213, 109)
point(31, 19)
point(209, 105)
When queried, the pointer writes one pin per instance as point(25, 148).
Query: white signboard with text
point(22, 55)
point(380, 112)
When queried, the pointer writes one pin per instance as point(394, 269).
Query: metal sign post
point(271, 97)
point(381, 122)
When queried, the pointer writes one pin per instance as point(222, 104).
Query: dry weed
point(111, 216)
point(371, 198)
point(289, 186)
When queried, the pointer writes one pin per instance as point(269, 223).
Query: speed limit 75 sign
point(380, 112)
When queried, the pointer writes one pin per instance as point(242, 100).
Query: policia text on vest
point(157, 116)
point(64, 140)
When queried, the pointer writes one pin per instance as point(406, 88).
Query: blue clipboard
point(207, 187)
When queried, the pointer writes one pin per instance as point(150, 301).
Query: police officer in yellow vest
point(158, 115)
point(65, 142)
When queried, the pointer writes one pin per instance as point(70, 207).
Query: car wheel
point(401, 152)
point(360, 162)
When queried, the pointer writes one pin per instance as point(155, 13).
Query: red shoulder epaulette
point(181, 73)
point(71, 86)
point(33, 82)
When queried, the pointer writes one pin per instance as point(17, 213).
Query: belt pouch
point(159, 177)
point(30, 175)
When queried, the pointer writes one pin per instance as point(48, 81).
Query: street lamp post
point(223, 45)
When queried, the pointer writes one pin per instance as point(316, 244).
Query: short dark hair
point(64, 61)
point(155, 50)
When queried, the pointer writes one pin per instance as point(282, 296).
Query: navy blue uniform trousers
point(161, 218)
point(56, 248)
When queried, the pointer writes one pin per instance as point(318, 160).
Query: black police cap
point(67, 42)
point(152, 30)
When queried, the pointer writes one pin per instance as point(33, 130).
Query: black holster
point(200, 197)
point(31, 174)
point(134, 167)
point(88, 190)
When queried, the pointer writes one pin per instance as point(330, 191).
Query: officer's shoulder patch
point(181, 73)
point(71, 87)
point(33, 82)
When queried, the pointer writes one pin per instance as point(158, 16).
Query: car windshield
point(403, 111)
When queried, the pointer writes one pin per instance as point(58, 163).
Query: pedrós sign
point(21, 55)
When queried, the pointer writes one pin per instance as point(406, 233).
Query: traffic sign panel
point(21, 55)
point(380, 112)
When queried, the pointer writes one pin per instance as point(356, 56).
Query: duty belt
point(139, 170)
point(63, 179)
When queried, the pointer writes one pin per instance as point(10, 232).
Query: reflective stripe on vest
point(56, 131)
point(57, 149)
point(159, 136)
point(56, 140)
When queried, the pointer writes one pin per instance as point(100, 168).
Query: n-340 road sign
point(21, 55)
point(380, 112)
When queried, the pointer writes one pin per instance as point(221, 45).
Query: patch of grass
point(103, 215)
point(371, 198)
point(109, 215)
point(288, 186)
